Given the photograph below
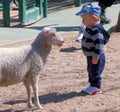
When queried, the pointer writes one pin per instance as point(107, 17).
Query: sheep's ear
point(46, 33)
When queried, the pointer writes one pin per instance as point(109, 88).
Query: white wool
point(25, 63)
point(47, 28)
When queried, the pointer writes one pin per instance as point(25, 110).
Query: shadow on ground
point(70, 49)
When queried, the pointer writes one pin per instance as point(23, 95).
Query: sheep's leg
point(35, 90)
point(29, 93)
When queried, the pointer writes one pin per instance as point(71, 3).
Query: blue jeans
point(95, 70)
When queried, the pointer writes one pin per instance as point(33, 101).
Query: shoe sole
point(97, 92)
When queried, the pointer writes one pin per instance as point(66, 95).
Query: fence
point(29, 11)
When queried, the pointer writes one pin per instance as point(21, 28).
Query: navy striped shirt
point(93, 42)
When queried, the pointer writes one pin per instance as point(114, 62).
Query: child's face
point(89, 19)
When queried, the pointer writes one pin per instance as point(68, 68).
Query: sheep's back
point(14, 64)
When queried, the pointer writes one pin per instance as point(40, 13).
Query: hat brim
point(80, 13)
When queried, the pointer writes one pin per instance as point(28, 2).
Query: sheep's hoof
point(39, 106)
point(30, 105)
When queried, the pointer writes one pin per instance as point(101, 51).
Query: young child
point(93, 41)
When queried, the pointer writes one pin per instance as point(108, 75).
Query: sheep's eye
point(52, 34)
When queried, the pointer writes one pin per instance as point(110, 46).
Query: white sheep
point(25, 63)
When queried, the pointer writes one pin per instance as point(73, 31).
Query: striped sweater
point(93, 42)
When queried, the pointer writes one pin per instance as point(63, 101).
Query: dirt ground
point(64, 77)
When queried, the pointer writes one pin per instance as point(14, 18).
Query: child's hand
point(94, 61)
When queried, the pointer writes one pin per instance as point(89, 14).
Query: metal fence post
point(41, 7)
point(77, 3)
point(45, 9)
point(6, 12)
point(22, 9)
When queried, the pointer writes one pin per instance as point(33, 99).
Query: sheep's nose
point(62, 41)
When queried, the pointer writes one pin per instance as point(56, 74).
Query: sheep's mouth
point(60, 44)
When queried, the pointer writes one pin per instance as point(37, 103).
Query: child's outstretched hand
point(94, 61)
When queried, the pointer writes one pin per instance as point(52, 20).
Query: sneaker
point(80, 33)
point(80, 36)
point(92, 90)
point(104, 20)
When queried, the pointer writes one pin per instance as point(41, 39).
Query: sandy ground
point(64, 77)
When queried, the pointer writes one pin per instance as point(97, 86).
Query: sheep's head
point(52, 37)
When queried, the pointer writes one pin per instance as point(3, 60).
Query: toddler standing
point(93, 41)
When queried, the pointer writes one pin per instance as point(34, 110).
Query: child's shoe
point(80, 33)
point(92, 90)
point(80, 36)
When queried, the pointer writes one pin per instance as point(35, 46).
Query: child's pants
point(95, 70)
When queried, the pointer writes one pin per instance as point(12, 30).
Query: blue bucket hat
point(90, 8)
